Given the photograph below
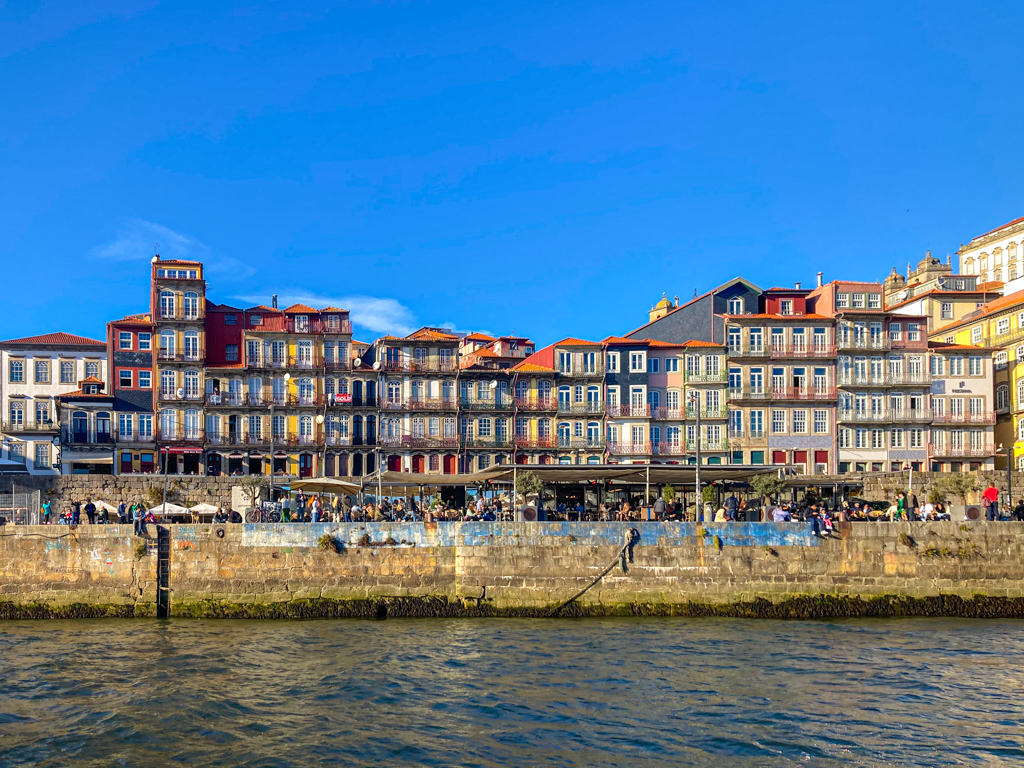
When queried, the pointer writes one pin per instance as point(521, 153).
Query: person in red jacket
point(991, 499)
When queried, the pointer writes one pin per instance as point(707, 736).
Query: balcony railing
point(335, 439)
point(629, 449)
point(844, 341)
point(422, 365)
point(803, 393)
point(581, 443)
point(286, 362)
point(915, 416)
point(584, 372)
point(334, 366)
point(669, 449)
point(707, 378)
point(172, 395)
point(522, 441)
point(535, 403)
point(636, 411)
point(180, 435)
point(419, 441)
point(749, 393)
point(314, 325)
point(74, 437)
point(802, 351)
point(134, 437)
point(14, 427)
point(986, 417)
point(911, 344)
point(165, 355)
point(749, 350)
point(226, 399)
point(496, 403)
point(486, 442)
point(961, 451)
point(581, 409)
point(180, 313)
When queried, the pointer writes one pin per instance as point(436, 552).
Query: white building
point(35, 370)
point(963, 408)
point(997, 255)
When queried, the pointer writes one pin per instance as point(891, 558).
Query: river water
point(617, 692)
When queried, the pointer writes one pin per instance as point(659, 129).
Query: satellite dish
point(376, 366)
point(494, 384)
point(901, 295)
point(357, 362)
point(181, 393)
point(319, 418)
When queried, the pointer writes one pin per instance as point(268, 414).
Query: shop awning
point(69, 457)
point(324, 485)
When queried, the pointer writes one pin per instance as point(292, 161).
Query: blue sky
point(545, 169)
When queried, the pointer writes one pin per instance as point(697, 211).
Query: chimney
point(274, 301)
point(677, 299)
point(798, 285)
point(819, 279)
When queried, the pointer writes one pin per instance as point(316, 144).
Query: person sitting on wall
point(234, 517)
point(781, 515)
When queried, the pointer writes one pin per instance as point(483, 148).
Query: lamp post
point(287, 378)
point(693, 396)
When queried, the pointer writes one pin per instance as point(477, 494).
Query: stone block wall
point(518, 569)
point(63, 489)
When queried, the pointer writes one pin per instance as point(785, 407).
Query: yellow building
point(996, 332)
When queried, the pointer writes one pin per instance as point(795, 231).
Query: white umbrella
point(169, 508)
point(204, 509)
point(107, 506)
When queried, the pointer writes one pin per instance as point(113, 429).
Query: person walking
point(731, 505)
point(122, 517)
point(90, 512)
point(991, 499)
point(913, 508)
point(137, 517)
point(46, 512)
point(76, 512)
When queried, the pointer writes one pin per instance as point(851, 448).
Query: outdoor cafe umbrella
point(169, 508)
point(204, 509)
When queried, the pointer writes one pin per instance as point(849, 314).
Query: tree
point(251, 486)
point(957, 484)
point(767, 487)
point(668, 493)
point(528, 484)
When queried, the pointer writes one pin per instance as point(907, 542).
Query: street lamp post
point(694, 398)
point(287, 378)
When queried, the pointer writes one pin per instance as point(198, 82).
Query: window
point(145, 379)
point(1003, 325)
point(636, 362)
point(43, 456)
point(230, 319)
point(938, 365)
point(947, 310)
point(913, 332)
point(124, 378)
point(895, 331)
point(799, 422)
point(878, 438)
point(860, 438)
point(858, 301)
point(67, 371)
point(255, 320)
point(484, 427)
point(821, 422)
point(845, 438)
point(896, 438)
point(916, 438)
point(778, 422)
point(145, 425)
point(92, 368)
point(124, 340)
point(1001, 359)
point(956, 366)
point(42, 371)
point(16, 371)
point(652, 364)
point(786, 307)
point(671, 365)
point(736, 305)
point(842, 300)
point(874, 301)
point(974, 366)
point(976, 335)
point(124, 425)
point(145, 341)
point(1002, 397)
point(231, 353)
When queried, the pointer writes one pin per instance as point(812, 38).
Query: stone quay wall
point(113, 489)
point(518, 569)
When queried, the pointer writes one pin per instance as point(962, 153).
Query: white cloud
point(139, 239)
point(372, 313)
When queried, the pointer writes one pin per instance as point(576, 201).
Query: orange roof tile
point(991, 285)
point(262, 308)
point(699, 343)
point(532, 368)
point(480, 337)
point(303, 308)
point(941, 345)
point(91, 380)
point(59, 339)
point(985, 310)
point(333, 309)
point(623, 340)
point(571, 342)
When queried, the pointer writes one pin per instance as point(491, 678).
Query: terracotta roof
point(986, 234)
point(304, 308)
point(224, 365)
point(59, 339)
point(985, 310)
point(532, 368)
point(482, 337)
point(991, 285)
point(934, 292)
point(432, 334)
point(485, 352)
point(78, 393)
point(941, 345)
point(132, 321)
point(262, 308)
point(659, 344)
point(360, 343)
point(623, 340)
point(333, 309)
point(698, 343)
point(855, 282)
point(571, 342)
point(178, 261)
point(91, 380)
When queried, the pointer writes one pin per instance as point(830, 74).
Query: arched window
point(190, 305)
point(80, 426)
point(736, 305)
point(1002, 397)
point(564, 393)
point(166, 304)
point(969, 266)
point(593, 434)
point(191, 349)
point(307, 392)
point(1020, 394)
point(1020, 353)
point(394, 391)
point(167, 344)
point(983, 262)
point(306, 429)
point(1001, 359)
point(564, 434)
point(102, 427)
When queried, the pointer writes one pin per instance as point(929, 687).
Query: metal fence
point(20, 506)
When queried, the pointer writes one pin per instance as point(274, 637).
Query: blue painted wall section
point(553, 534)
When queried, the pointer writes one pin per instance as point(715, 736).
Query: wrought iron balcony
point(629, 449)
point(803, 393)
point(165, 355)
point(581, 443)
point(486, 442)
point(167, 396)
point(707, 378)
point(669, 449)
point(422, 365)
point(20, 426)
point(985, 417)
point(535, 403)
point(909, 416)
point(180, 435)
point(496, 403)
point(711, 446)
point(580, 409)
point(419, 441)
point(636, 411)
point(960, 451)
point(750, 393)
point(524, 441)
